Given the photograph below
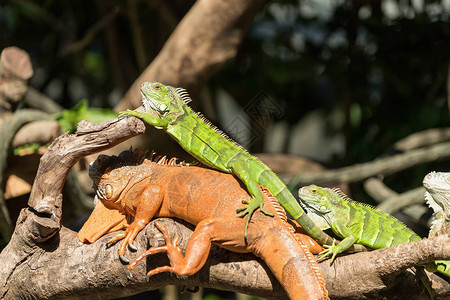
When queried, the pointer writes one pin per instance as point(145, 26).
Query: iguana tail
point(274, 184)
point(312, 262)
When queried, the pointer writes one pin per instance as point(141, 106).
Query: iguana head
point(318, 204)
point(315, 198)
point(437, 182)
point(164, 101)
point(111, 175)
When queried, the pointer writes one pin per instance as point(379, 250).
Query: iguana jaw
point(316, 208)
point(151, 103)
point(311, 202)
point(319, 218)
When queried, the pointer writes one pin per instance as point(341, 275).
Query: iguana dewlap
point(131, 185)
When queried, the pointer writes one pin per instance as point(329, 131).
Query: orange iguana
point(134, 184)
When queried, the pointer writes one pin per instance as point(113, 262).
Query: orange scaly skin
point(131, 185)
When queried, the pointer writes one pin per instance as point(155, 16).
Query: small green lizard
point(356, 222)
point(166, 108)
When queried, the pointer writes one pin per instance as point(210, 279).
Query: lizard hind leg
point(179, 264)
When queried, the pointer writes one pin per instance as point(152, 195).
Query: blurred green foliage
point(31, 147)
point(69, 118)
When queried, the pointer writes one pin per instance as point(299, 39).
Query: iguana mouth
point(309, 208)
point(304, 206)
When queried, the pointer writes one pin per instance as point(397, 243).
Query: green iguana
point(166, 108)
point(356, 222)
point(437, 185)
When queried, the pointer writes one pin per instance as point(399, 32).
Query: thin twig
point(136, 34)
point(384, 166)
point(396, 203)
point(90, 33)
point(423, 138)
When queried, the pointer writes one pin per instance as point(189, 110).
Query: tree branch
point(399, 201)
point(79, 270)
point(384, 166)
point(41, 249)
point(423, 138)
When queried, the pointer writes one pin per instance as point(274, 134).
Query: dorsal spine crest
point(343, 196)
point(220, 132)
point(184, 95)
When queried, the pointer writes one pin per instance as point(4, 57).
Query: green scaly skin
point(358, 223)
point(166, 108)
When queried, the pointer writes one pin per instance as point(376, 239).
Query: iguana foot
point(330, 250)
point(128, 237)
point(172, 249)
point(252, 206)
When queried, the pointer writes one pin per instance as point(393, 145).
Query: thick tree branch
point(62, 154)
point(78, 270)
point(70, 269)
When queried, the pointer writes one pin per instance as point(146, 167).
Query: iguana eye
point(157, 87)
point(314, 191)
point(108, 191)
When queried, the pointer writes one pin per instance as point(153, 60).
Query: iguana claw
point(132, 247)
point(330, 250)
point(129, 274)
point(124, 259)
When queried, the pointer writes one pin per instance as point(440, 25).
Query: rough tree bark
point(44, 260)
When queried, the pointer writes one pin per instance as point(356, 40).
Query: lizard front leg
point(150, 199)
point(147, 118)
point(347, 242)
point(240, 169)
